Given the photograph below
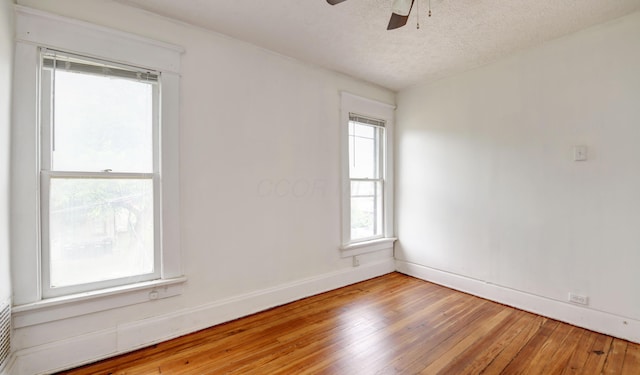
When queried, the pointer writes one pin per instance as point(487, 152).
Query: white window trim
point(35, 29)
point(351, 103)
point(58, 308)
point(370, 246)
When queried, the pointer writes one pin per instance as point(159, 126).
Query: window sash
point(378, 180)
point(47, 102)
point(47, 290)
point(378, 209)
point(46, 174)
point(52, 60)
point(365, 120)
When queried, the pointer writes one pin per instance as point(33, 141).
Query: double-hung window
point(95, 187)
point(99, 174)
point(367, 175)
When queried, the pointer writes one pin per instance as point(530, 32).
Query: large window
point(98, 173)
point(95, 192)
point(367, 175)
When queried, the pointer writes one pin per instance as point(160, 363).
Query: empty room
point(319, 187)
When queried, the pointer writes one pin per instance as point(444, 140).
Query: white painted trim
point(25, 167)
point(52, 309)
point(367, 100)
point(79, 350)
point(67, 353)
point(57, 32)
point(599, 321)
point(365, 247)
point(170, 174)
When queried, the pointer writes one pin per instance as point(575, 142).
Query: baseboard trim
point(76, 351)
point(594, 320)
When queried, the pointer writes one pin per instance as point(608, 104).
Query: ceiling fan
point(399, 12)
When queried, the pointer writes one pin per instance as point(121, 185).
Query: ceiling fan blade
point(334, 2)
point(399, 20)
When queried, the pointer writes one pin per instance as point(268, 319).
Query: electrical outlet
point(576, 298)
point(355, 261)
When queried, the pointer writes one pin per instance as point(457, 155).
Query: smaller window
point(366, 177)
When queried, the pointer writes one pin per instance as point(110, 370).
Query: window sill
point(364, 247)
point(52, 309)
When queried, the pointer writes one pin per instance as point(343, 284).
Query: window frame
point(380, 164)
point(48, 173)
point(36, 29)
point(356, 105)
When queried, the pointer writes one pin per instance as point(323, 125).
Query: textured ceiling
point(351, 37)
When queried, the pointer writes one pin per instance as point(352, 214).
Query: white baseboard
point(594, 320)
point(95, 346)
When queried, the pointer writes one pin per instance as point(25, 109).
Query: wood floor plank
point(559, 360)
point(451, 352)
point(366, 350)
point(393, 324)
point(615, 357)
point(485, 350)
point(541, 361)
point(506, 356)
point(580, 353)
point(524, 359)
point(351, 326)
point(597, 355)
point(631, 360)
point(423, 345)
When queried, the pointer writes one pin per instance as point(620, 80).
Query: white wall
point(6, 64)
point(489, 197)
point(259, 180)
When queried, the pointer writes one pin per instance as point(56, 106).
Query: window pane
point(364, 150)
point(362, 130)
point(100, 229)
point(366, 209)
point(101, 122)
point(363, 188)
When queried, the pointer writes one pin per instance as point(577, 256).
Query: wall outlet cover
point(579, 299)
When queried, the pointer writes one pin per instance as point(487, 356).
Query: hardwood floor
point(394, 324)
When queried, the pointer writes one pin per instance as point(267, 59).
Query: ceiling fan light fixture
point(400, 10)
point(401, 7)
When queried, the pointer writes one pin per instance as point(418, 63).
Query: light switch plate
point(579, 153)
